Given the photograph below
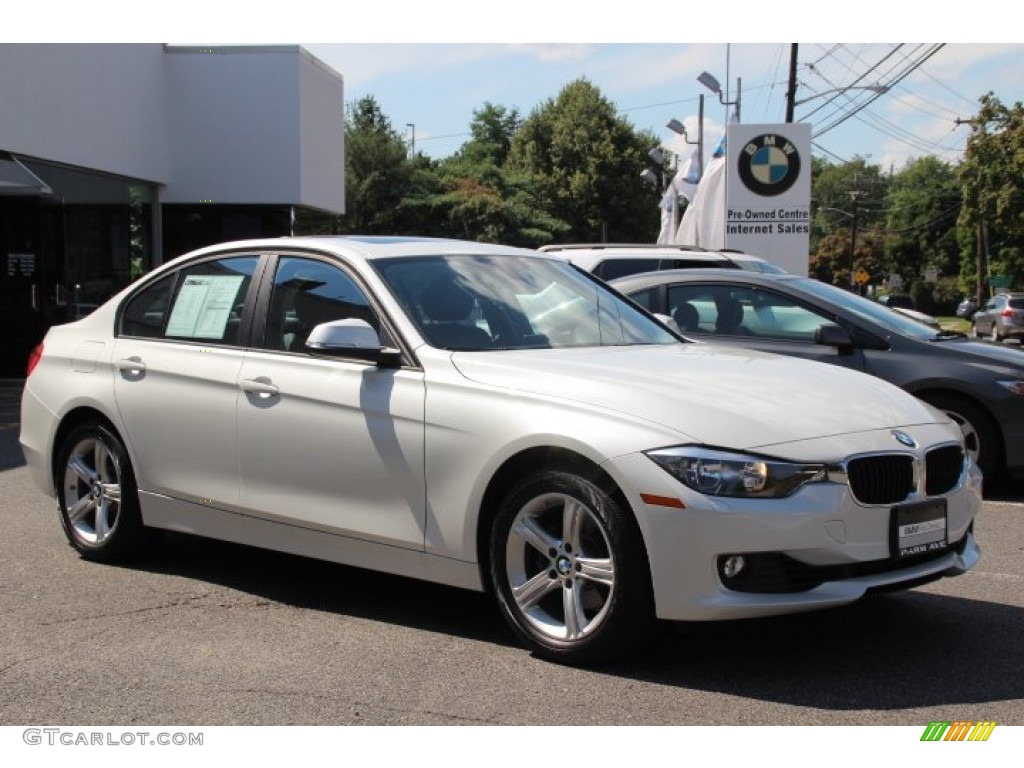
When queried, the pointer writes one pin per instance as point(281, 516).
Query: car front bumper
point(833, 550)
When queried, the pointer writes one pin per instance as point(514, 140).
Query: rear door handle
point(132, 365)
point(260, 386)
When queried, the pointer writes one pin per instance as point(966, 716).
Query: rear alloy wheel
point(96, 494)
point(974, 331)
point(981, 439)
point(570, 570)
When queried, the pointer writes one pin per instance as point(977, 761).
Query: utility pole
point(791, 91)
point(854, 198)
point(412, 143)
point(980, 239)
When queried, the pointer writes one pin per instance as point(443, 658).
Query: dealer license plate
point(917, 529)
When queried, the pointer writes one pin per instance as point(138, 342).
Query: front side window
point(742, 311)
point(508, 302)
point(307, 292)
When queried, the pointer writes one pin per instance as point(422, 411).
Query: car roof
point(366, 247)
point(588, 255)
point(647, 279)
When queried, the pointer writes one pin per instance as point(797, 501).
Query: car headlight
point(723, 473)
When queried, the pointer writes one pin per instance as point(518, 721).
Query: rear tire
point(570, 570)
point(97, 497)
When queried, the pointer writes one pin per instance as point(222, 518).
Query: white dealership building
point(116, 157)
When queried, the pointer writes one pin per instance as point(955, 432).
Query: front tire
point(96, 494)
point(981, 437)
point(570, 570)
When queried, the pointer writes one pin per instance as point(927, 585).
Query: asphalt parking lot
point(207, 633)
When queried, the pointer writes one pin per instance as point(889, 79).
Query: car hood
point(723, 396)
point(984, 353)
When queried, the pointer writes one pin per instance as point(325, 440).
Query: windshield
point(869, 310)
point(512, 302)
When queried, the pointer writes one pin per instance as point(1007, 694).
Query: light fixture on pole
point(658, 178)
point(649, 177)
point(677, 127)
point(710, 82)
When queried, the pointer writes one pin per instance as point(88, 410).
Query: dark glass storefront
point(64, 248)
point(187, 227)
point(75, 238)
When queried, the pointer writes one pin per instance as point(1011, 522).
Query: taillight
point(33, 359)
point(1008, 313)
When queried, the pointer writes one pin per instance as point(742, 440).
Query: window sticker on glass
point(203, 306)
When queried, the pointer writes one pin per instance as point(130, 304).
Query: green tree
point(993, 194)
point(480, 198)
point(378, 173)
point(585, 162)
point(846, 198)
point(492, 129)
point(922, 208)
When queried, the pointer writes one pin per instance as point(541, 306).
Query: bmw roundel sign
point(769, 164)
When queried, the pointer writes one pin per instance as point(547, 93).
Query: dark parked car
point(967, 307)
point(1002, 317)
point(980, 386)
point(897, 301)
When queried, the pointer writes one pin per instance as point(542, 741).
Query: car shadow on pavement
point(11, 456)
point(317, 585)
point(893, 651)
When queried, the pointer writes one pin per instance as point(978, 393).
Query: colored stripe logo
point(958, 730)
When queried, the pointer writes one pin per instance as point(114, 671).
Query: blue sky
point(437, 87)
point(432, 64)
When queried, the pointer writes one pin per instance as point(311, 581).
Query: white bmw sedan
point(494, 419)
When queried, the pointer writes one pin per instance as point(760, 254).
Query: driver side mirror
point(352, 338)
point(830, 335)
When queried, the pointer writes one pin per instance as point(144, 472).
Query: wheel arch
point(521, 465)
point(933, 394)
point(71, 420)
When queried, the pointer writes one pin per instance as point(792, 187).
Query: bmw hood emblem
point(904, 438)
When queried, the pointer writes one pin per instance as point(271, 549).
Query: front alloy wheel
point(96, 494)
point(570, 571)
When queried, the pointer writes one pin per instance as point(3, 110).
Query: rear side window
point(207, 304)
point(145, 312)
point(609, 269)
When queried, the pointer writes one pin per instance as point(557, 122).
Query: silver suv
point(611, 260)
point(1002, 317)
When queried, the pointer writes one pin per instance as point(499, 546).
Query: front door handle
point(260, 386)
